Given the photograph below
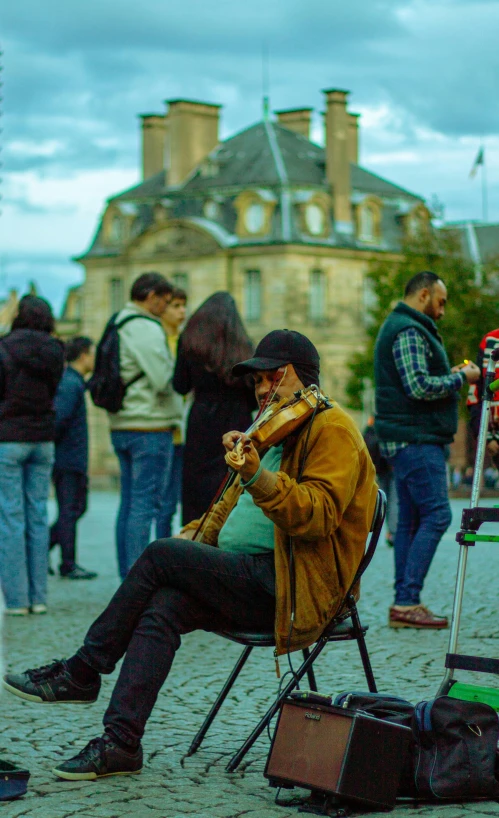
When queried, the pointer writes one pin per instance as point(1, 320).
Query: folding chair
point(346, 626)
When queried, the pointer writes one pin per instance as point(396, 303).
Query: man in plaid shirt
point(416, 418)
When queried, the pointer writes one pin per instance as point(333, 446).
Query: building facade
point(288, 227)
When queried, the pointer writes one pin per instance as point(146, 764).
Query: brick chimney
point(353, 138)
point(296, 119)
point(154, 128)
point(338, 158)
point(192, 134)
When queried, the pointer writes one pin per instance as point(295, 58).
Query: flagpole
point(484, 189)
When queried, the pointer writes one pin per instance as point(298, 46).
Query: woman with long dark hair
point(31, 365)
point(213, 340)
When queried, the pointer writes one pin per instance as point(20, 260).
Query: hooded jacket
point(328, 514)
point(31, 365)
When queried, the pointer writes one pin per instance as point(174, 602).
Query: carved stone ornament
point(176, 242)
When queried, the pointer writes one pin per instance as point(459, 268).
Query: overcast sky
point(423, 74)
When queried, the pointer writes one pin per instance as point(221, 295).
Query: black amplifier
point(347, 753)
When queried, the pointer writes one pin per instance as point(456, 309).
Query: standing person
point(31, 365)
point(71, 454)
point(172, 319)
point(416, 418)
point(214, 339)
point(141, 432)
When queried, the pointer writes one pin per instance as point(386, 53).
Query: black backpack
point(106, 386)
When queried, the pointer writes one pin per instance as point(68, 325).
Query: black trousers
point(71, 488)
point(176, 586)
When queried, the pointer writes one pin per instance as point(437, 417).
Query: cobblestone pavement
point(408, 663)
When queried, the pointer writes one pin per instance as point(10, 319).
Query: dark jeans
point(71, 488)
point(424, 516)
point(175, 587)
point(168, 504)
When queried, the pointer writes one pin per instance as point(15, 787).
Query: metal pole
point(463, 547)
point(485, 209)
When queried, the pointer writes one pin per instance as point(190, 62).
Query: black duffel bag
point(453, 752)
point(455, 749)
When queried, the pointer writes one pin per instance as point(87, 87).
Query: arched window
point(317, 295)
point(252, 295)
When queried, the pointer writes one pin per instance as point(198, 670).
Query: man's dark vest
point(400, 418)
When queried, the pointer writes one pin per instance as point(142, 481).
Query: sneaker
point(38, 608)
point(101, 757)
point(418, 617)
point(16, 611)
point(50, 683)
point(77, 572)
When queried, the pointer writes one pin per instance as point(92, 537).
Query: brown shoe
point(419, 617)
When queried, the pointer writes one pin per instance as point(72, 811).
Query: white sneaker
point(38, 608)
point(16, 611)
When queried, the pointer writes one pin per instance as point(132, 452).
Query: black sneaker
point(77, 572)
point(50, 683)
point(99, 758)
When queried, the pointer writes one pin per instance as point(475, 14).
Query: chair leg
point(196, 742)
point(312, 683)
point(238, 757)
point(364, 655)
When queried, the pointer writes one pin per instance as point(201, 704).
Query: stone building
point(287, 226)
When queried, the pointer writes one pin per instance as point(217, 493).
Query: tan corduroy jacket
point(328, 515)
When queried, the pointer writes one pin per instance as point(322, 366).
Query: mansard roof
point(274, 160)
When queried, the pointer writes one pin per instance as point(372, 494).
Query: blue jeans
point(171, 499)
point(424, 516)
point(145, 464)
point(25, 470)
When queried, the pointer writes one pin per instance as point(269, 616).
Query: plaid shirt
point(411, 352)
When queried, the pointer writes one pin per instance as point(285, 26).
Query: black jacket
point(31, 365)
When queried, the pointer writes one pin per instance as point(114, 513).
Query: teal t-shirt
point(247, 530)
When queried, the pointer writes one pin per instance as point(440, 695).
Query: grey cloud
point(221, 26)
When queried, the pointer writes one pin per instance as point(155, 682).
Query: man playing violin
point(311, 495)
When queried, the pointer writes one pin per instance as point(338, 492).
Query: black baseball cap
point(278, 348)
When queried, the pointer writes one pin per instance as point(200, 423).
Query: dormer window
point(315, 219)
point(116, 230)
point(367, 224)
point(417, 221)
point(369, 220)
point(254, 213)
point(254, 218)
point(313, 208)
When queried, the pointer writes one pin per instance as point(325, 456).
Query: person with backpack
point(31, 365)
point(71, 454)
point(131, 380)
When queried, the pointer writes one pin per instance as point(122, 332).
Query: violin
point(277, 421)
point(273, 424)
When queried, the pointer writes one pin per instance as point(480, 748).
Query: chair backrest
point(375, 531)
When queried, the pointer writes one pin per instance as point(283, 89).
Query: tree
point(471, 311)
